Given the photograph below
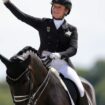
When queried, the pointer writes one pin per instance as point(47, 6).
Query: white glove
point(55, 56)
point(4, 1)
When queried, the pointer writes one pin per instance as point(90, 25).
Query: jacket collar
point(63, 26)
point(58, 23)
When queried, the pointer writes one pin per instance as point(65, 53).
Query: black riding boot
point(83, 100)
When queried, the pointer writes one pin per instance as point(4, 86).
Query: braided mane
point(22, 54)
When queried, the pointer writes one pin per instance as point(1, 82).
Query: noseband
point(32, 97)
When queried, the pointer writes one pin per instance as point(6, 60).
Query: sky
point(87, 15)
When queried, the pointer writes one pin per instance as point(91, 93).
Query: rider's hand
point(46, 60)
point(4, 1)
point(55, 56)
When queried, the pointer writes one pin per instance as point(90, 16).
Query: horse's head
point(23, 72)
point(16, 77)
point(15, 66)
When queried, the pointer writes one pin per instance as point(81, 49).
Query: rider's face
point(58, 11)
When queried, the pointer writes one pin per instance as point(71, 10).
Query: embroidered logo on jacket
point(48, 29)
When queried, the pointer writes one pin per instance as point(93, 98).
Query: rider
point(58, 38)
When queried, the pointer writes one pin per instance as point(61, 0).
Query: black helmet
point(66, 3)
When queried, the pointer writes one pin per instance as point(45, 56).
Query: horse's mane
point(28, 48)
point(22, 54)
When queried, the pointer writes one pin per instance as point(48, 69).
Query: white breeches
point(62, 67)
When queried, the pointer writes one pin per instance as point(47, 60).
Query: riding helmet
point(66, 3)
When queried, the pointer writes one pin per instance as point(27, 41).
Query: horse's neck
point(39, 71)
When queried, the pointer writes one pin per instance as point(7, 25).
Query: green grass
point(5, 95)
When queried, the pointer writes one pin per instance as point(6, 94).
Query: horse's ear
point(27, 61)
point(5, 61)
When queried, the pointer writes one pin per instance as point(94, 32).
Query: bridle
point(32, 97)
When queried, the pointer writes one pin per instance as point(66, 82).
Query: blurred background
point(89, 18)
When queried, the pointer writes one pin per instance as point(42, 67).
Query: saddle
point(72, 88)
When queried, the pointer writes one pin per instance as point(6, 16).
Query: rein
point(43, 87)
point(31, 97)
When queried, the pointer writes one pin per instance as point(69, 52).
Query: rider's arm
point(33, 21)
point(72, 50)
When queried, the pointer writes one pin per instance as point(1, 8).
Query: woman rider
point(58, 39)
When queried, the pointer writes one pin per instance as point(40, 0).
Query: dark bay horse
point(32, 84)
